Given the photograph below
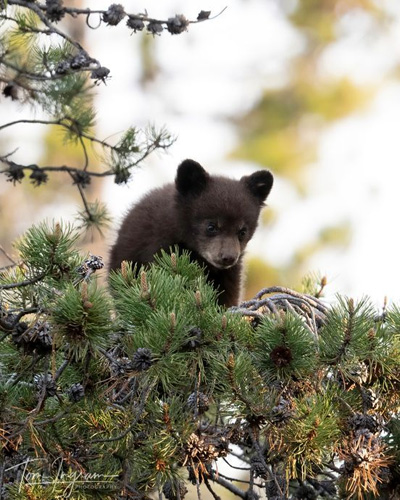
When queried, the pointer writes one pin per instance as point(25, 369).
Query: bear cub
point(213, 217)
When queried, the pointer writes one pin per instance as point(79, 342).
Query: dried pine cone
point(199, 450)
point(177, 24)
point(11, 90)
point(35, 339)
point(54, 10)
point(258, 467)
point(281, 356)
point(120, 366)
point(114, 14)
point(100, 73)
point(142, 359)
point(370, 399)
point(363, 421)
point(76, 392)
point(281, 412)
point(81, 178)
point(198, 400)
point(170, 490)
point(15, 173)
point(155, 28)
point(38, 177)
point(91, 264)
point(194, 341)
point(135, 23)
point(121, 175)
point(40, 380)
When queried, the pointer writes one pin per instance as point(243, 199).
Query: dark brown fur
point(212, 216)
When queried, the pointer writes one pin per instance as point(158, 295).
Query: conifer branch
point(292, 427)
point(139, 412)
point(34, 77)
point(38, 10)
point(20, 284)
point(208, 486)
point(13, 263)
point(348, 330)
point(218, 478)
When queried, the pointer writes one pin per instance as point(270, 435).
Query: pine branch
point(31, 281)
point(64, 102)
point(230, 487)
point(115, 14)
point(348, 330)
point(62, 122)
point(208, 486)
point(38, 10)
point(139, 412)
point(13, 263)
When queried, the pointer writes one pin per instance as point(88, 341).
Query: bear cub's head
point(218, 215)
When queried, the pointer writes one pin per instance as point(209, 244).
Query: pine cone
point(35, 339)
point(200, 449)
point(199, 400)
point(121, 175)
point(258, 467)
point(100, 73)
point(15, 173)
point(358, 373)
point(281, 412)
point(120, 366)
point(142, 359)
point(135, 23)
point(363, 421)
point(54, 10)
point(114, 14)
point(155, 28)
point(81, 178)
point(177, 24)
point(11, 90)
point(76, 392)
point(38, 177)
point(369, 398)
point(195, 335)
point(281, 356)
point(170, 490)
point(40, 380)
point(82, 60)
point(63, 67)
point(93, 263)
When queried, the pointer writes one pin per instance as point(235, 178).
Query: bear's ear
point(259, 184)
point(191, 178)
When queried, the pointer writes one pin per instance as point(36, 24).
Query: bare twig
point(311, 310)
point(20, 284)
point(13, 263)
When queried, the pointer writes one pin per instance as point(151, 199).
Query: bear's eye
point(242, 233)
point(212, 228)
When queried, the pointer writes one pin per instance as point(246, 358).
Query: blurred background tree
point(284, 128)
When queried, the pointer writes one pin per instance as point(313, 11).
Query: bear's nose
point(228, 260)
